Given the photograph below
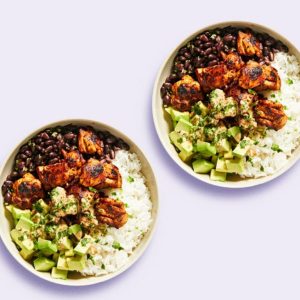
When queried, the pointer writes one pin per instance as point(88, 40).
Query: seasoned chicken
point(186, 92)
point(73, 158)
point(233, 61)
point(259, 77)
point(111, 212)
point(270, 114)
point(56, 175)
point(89, 142)
point(98, 175)
point(26, 191)
point(248, 45)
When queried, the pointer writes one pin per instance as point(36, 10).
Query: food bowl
point(163, 123)
point(78, 280)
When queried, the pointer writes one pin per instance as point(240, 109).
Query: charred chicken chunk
point(73, 158)
point(26, 191)
point(233, 60)
point(248, 45)
point(186, 92)
point(270, 114)
point(89, 142)
point(111, 212)
point(96, 174)
point(272, 80)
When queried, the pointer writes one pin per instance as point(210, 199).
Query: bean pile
point(45, 148)
point(205, 50)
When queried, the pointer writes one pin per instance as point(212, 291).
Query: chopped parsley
point(117, 245)
point(130, 179)
point(38, 207)
point(91, 258)
point(285, 107)
point(21, 238)
point(84, 242)
point(273, 95)
point(113, 193)
point(196, 109)
point(276, 148)
point(126, 205)
point(256, 142)
point(262, 169)
point(91, 189)
point(103, 266)
point(289, 81)
point(180, 140)
point(252, 92)
point(243, 144)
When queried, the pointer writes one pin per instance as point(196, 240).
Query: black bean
point(187, 55)
point(38, 141)
point(106, 149)
point(212, 57)
point(204, 38)
point(52, 155)
point(271, 56)
point(22, 156)
point(212, 63)
point(112, 154)
point(181, 58)
point(208, 44)
point(269, 42)
point(167, 99)
point(8, 197)
point(49, 149)
point(53, 161)
point(44, 136)
point(197, 43)
point(12, 176)
point(228, 38)
point(208, 51)
point(49, 142)
point(187, 63)
point(24, 148)
point(28, 161)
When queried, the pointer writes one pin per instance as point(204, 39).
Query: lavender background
point(98, 60)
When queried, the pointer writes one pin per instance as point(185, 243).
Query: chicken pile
point(82, 178)
point(242, 78)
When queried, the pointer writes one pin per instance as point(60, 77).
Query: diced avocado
point(168, 110)
point(228, 154)
point(214, 159)
point(177, 115)
point(205, 149)
point(70, 252)
point(221, 165)
point(43, 264)
point(76, 263)
point(185, 155)
point(202, 166)
point(187, 146)
point(183, 125)
point(18, 213)
point(176, 139)
point(241, 149)
point(46, 246)
point(217, 176)
point(17, 236)
point(9, 208)
point(83, 246)
point(62, 263)
point(235, 132)
point(223, 145)
point(59, 274)
point(55, 257)
point(195, 120)
point(41, 206)
point(24, 224)
point(64, 243)
point(26, 254)
point(27, 244)
point(76, 230)
point(235, 165)
point(204, 110)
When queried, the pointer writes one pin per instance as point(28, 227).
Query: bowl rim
point(242, 183)
point(141, 247)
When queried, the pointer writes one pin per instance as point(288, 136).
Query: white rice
point(136, 196)
point(265, 161)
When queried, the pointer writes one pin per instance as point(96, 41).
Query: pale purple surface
point(66, 59)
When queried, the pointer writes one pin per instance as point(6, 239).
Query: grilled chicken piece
point(98, 175)
point(111, 212)
point(73, 158)
point(248, 44)
point(270, 114)
point(89, 142)
point(259, 77)
point(186, 92)
point(233, 61)
point(57, 175)
point(26, 191)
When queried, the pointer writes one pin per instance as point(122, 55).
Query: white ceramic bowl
point(163, 123)
point(6, 222)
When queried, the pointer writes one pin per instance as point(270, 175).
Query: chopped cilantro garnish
point(180, 140)
point(276, 148)
point(103, 266)
point(252, 92)
point(262, 169)
point(21, 238)
point(256, 142)
point(126, 205)
point(243, 144)
point(289, 81)
point(273, 95)
point(196, 109)
point(84, 242)
point(285, 107)
point(114, 193)
point(90, 257)
point(130, 179)
point(38, 207)
point(91, 189)
point(117, 245)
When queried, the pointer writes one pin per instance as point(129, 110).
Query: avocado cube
point(228, 154)
point(41, 206)
point(17, 236)
point(43, 264)
point(186, 155)
point(223, 145)
point(168, 110)
point(241, 149)
point(64, 243)
point(18, 213)
point(24, 224)
point(177, 115)
point(204, 110)
point(69, 253)
point(235, 165)
point(183, 125)
point(202, 166)
point(26, 254)
point(76, 263)
point(221, 165)
point(59, 274)
point(214, 159)
point(217, 176)
point(9, 208)
point(27, 244)
point(62, 263)
point(76, 230)
point(55, 257)
point(46, 246)
point(82, 247)
point(176, 139)
point(235, 132)
point(205, 149)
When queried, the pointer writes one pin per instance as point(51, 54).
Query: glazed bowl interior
point(163, 123)
point(6, 222)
